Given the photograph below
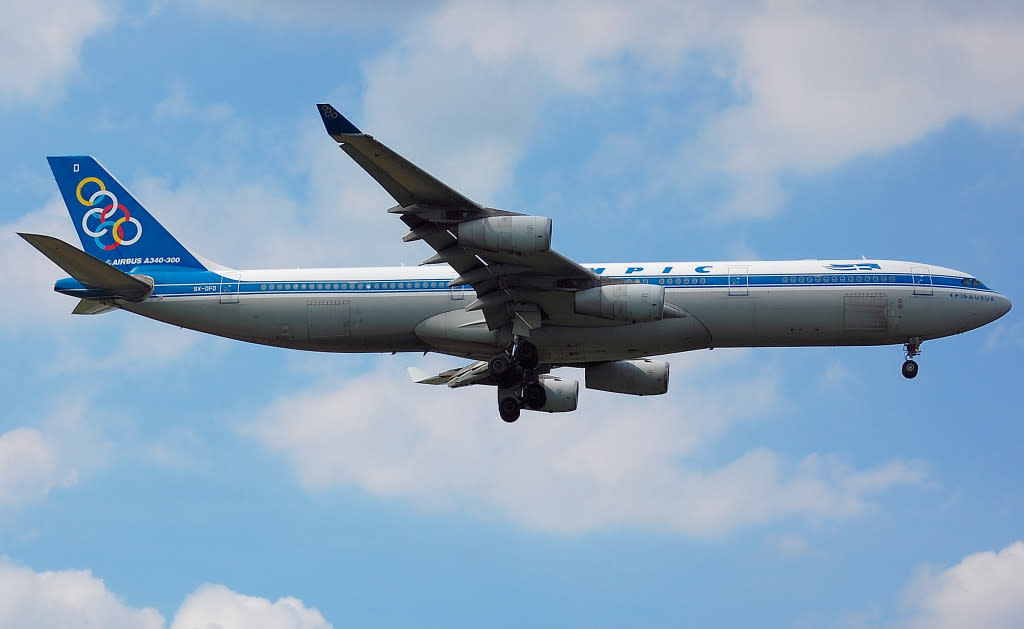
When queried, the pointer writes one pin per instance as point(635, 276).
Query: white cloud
point(179, 103)
point(40, 41)
point(793, 547)
point(69, 599)
point(617, 462)
point(826, 82)
point(35, 461)
point(814, 84)
point(985, 589)
point(37, 304)
point(29, 468)
point(349, 15)
point(76, 599)
point(217, 607)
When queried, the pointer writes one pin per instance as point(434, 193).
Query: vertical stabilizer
point(111, 224)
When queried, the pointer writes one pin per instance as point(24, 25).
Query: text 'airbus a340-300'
point(496, 292)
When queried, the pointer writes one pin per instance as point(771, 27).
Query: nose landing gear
point(911, 348)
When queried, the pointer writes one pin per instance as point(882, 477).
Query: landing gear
point(508, 408)
point(518, 387)
point(499, 366)
point(525, 353)
point(519, 353)
point(911, 348)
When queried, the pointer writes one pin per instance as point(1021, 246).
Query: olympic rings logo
point(106, 213)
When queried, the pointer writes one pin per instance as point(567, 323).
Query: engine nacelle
point(562, 394)
point(507, 234)
point(635, 377)
point(623, 302)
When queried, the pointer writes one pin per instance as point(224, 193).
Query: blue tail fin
point(112, 225)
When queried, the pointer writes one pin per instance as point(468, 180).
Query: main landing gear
point(911, 348)
point(518, 385)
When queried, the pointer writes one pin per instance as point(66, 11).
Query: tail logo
point(105, 213)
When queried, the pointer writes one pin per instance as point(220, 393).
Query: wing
point(509, 283)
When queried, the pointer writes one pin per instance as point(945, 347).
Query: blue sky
point(154, 477)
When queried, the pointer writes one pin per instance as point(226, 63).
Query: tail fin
point(112, 225)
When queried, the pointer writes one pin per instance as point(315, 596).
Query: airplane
point(496, 293)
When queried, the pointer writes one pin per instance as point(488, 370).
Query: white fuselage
point(724, 304)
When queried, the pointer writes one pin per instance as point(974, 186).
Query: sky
point(154, 477)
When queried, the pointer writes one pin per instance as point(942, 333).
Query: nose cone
point(1000, 307)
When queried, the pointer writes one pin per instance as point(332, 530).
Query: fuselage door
point(738, 280)
point(922, 279)
point(459, 292)
point(228, 290)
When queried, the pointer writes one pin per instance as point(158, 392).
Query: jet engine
point(550, 394)
point(517, 235)
point(635, 377)
point(623, 302)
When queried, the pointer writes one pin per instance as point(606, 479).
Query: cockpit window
point(973, 283)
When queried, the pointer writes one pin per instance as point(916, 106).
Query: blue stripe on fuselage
point(179, 283)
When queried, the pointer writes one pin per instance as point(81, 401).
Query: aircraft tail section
point(111, 224)
point(94, 278)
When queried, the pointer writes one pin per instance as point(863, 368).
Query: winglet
point(335, 123)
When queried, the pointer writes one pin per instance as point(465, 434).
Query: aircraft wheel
point(527, 355)
point(534, 396)
point(499, 366)
point(909, 369)
point(508, 408)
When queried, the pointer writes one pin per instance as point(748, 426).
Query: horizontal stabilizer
point(91, 272)
point(474, 373)
point(419, 376)
point(91, 307)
